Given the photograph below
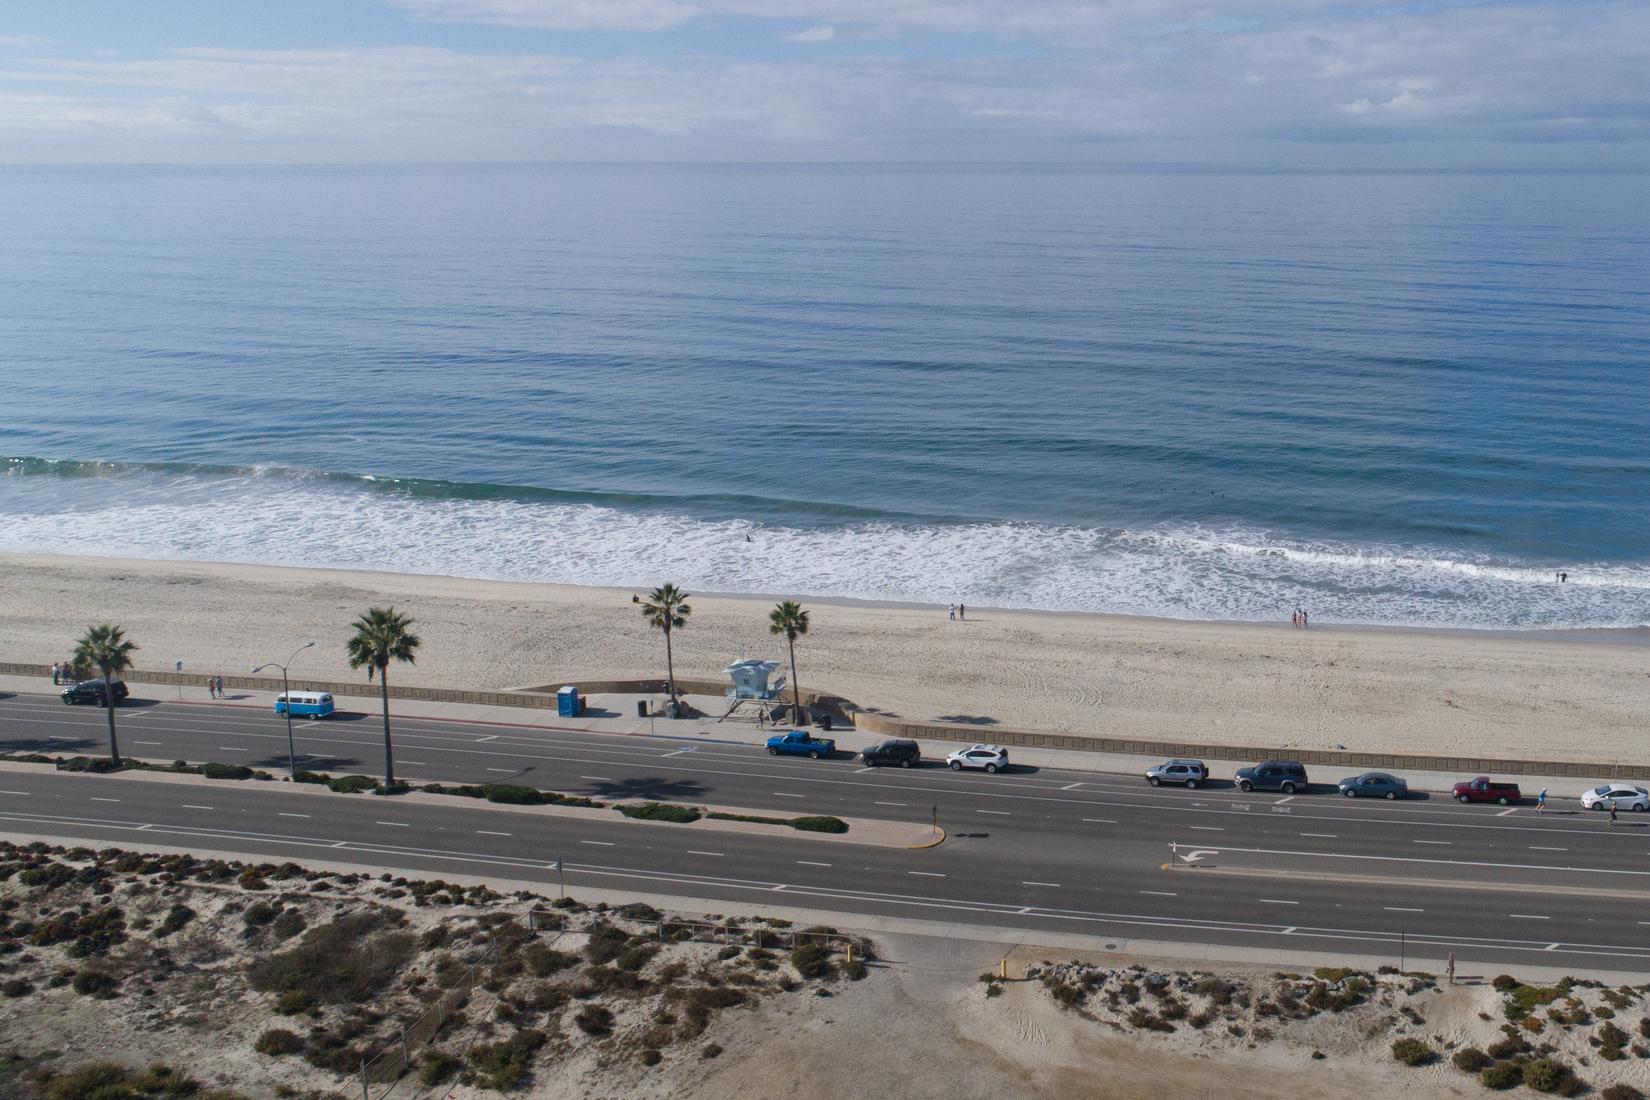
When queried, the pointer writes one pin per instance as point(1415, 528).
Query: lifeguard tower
point(751, 686)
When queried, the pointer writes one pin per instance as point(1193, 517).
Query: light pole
point(291, 756)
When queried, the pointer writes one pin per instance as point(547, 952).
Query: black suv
point(91, 691)
point(903, 753)
point(1287, 776)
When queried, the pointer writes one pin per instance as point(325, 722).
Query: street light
point(291, 756)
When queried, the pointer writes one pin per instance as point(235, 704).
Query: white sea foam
point(1184, 572)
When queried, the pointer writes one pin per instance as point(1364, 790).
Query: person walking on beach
point(1541, 800)
point(962, 611)
point(1304, 623)
point(951, 612)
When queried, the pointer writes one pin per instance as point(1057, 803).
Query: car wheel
point(1462, 798)
point(1191, 784)
point(772, 751)
point(1154, 781)
point(1596, 806)
point(1245, 786)
point(1502, 801)
point(956, 765)
point(1288, 788)
point(905, 763)
point(68, 702)
point(1390, 795)
point(1350, 793)
point(868, 762)
point(813, 754)
point(991, 769)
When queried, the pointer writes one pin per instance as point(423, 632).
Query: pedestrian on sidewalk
point(1541, 800)
point(54, 673)
point(217, 682)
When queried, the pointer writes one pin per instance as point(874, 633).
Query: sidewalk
point(616, 715)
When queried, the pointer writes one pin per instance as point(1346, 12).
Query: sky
point(1261, 83)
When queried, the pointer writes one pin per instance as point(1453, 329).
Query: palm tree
point(381, 636)
point(666, 609)
point(790, 619)
point(106, 647)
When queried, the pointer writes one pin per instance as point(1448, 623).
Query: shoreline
point(1376, 689)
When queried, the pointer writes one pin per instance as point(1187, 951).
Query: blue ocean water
point(1390, 398)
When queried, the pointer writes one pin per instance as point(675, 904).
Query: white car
point(990, 757)
point(1626, 798)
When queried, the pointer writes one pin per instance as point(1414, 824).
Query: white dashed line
point(417, 763)
point(1550, 947)
point(293, 815)
point(1528, 916)
point(598, 843)
point(187, 806)
point(1539, 848)
point(484, 740)
point(783, 794)
point(1071, 786)
point(598, 778)
point(396, 824)
point(1054, 884)
point(1281, 801)
point(1207, 828)
point(229, 748)
point(490, 832)
point(1160, 893)
point(97, 799)
point(146, 742)
point(1277, 901)
point(1446, 843)
point(697, 852)
point(1504, 813)
point(1328, 836)
point(506, 771)
point(999, 813)
point(812, 863)
point(21, 794)
point(888, 803)
point(1401, 909)
point(926, 874)
point(1101, 820)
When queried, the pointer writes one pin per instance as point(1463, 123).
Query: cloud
point(20, 40)
point(822, 33)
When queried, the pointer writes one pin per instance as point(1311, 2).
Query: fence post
point(406, 1053)
point(661, 930)
point(366, 1087)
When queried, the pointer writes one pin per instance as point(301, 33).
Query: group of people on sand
point(1298, 619)
point(958, 611)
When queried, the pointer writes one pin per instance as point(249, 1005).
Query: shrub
point(855, 971)
point(1610, 1035)
point(437, 1066)
point(712, 1050)
point(1146, 1020)
point(226, 771)
point(288, 924)
point(16, 987)
point(544, 961)
point(1333, 974)
point(594, 1020)
point(259, 913)
point(311, 777)
point(1546, 1074)
point(1508, 1047)
point(651, 1057)
point(1470, 1060)
point(606, 942)
point(1412, 1052)
point(812, 960)
point(346, 961)
point(819, 824)
point(1505, 983)
point(277, 1041)
point(176, 917)
point(661, 811)
point(1524, 999)
point(511, 793)
point(95, 983)
point(352, 784)
point(392, 788)
point(1502, 1075)
point(632, 959)
point(292, 1002)
point(1621, 1092)
point(503, 1065)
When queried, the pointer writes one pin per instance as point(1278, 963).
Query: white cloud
point(822, 33)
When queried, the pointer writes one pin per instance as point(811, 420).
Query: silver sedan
point(1374, 785)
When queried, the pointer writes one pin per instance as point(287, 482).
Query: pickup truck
point(799, 743)
point(1482, 790)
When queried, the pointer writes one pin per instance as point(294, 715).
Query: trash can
point(641, 708)
point(567, 702)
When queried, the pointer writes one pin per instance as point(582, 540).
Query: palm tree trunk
point(389, 756)
point(796, 687)
point(109, 705)
point(670, 668)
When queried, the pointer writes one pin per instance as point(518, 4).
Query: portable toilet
point(567, 702)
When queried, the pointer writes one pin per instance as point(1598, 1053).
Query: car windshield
point(1601, 790)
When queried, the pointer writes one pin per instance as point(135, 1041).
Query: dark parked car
point(1287, 776)
point(903, 753)
point(1374, 785)
point(92, 691)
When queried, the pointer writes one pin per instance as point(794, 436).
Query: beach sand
point(1367, 690)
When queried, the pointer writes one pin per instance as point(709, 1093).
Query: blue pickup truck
point(799, 743)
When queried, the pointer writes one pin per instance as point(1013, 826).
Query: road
point(1035, 849)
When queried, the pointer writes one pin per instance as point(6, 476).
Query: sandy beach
point(1366, 690)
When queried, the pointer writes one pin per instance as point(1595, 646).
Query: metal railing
point(382, 1072)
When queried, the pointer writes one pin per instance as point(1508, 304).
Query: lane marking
point(1528, 916)
point(1071, 786)
point(1540, 848)
point(1160, 893)
point(229, 748)
point(862, 771)
point(1291, 929)
point(678, 752)
point(146, 742)
point(1101, 820)
point(599, 778)
point(490, 832)
point(1277, 901)
point(783, 794)
point(293, 815)
point(1504, 813)
point(187, 806)
point(926, 874)
point(397, 824)
point(697, 852)
point(483, 740)
point(1330, 836)
point(1550, 947)
point(1443, 842)
point(1207, 828)
point(812, 863)
point(1054, 884)
point(999, 813)
point(888, 803)
point(97, 799)
point(598, 843)
point(1281, 801)
point(417, 763)
point(20, 794)
point(506, 771)
point(1401, 909)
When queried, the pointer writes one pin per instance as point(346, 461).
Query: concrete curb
point(931, 843)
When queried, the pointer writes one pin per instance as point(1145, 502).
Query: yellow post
point(850, 951)
point(1002, 968)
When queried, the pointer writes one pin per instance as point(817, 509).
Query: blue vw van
point(304, 704)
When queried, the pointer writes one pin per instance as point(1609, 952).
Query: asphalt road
point(1037, 849)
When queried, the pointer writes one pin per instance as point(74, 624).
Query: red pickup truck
point(1482, 790)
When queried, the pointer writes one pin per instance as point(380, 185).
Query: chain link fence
point(383, 1071)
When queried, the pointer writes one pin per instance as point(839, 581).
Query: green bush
point(16, 987)
point(292, 1002)
point(1621, 1092)
point(277, 1041)
point(594, 1020)
point(1470, 1060)
point(352, 784)
point(288, 924)
point(1505, 983)
point(503, 1065)
point(1546, 1074)
point(661, 811)
point(226, 771)
point(632, 959)
point(176, 917)
point(755, 819)
point(1412, 1052)
point(544, 961)
point(605, 942)
point(819, 824)
point(95, 983)
point(1502, 1075)
point(259, 913)
point(392, 788)
point(1525, 999)
point(1333, 973)
point(437, 1066)
point(111, 1081)
point(854, 971)
point(511, 793)
point(712, 1050)
point(651, 1057)
point(311, 777)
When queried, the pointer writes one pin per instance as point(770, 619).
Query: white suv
point(990, 757)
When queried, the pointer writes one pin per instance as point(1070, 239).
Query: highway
point(1036, 849)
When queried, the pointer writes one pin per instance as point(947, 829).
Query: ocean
point(1389, 398)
